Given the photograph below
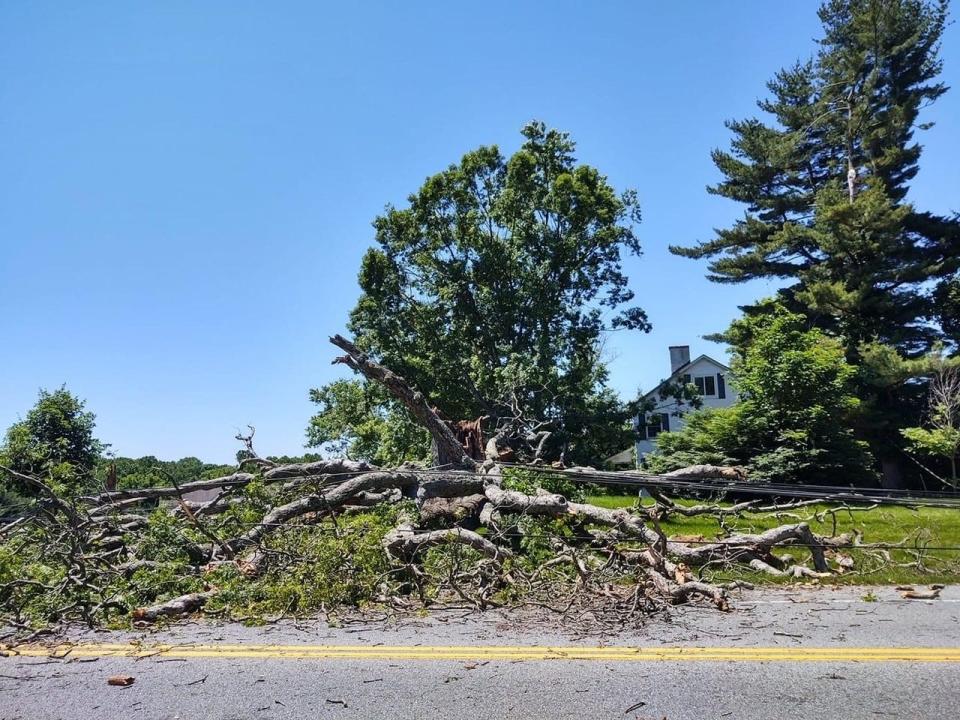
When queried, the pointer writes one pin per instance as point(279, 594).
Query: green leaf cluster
point(490, 292)
point(359, 420)
point(54, 442)
point(797, 407)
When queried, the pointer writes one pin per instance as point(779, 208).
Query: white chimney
point(679, 356)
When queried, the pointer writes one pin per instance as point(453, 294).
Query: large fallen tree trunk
point(708, 472)
point(337, 467)
point(450, 507)
point(328, 501)
point(114, 496)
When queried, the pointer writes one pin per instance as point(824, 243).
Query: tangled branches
point(401, 536)
point(309, 536)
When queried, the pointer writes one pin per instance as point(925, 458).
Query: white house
point(712, 379)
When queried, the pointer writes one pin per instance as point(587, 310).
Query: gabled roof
point(621, 458)
point(680, 371)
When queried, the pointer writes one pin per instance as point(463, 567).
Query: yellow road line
point(496, 652)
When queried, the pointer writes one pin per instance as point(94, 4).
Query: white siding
point(701, 367)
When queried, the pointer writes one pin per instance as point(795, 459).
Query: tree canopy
point(492, 289)
point(825, 181)
point(55, 442)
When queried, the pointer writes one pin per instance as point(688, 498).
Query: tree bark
point(336, 466)
point(404, 540)
point(709, 472)
point(233, 480)
point(329, 500)
point(452, 509)
point(449, 451)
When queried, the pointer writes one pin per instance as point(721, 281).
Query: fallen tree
point(458, 530)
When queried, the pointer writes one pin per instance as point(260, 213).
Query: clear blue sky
point(186, 188)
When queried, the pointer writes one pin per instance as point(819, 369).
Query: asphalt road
point(788, 654)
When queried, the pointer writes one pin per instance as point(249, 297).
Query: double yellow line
point(495, 652)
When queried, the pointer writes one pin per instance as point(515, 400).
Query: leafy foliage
point(358, 420)
point(942, 436)
point(530, 482)
point(490, 293)
point(794, 416)
point(337, 564)
point(54, 441)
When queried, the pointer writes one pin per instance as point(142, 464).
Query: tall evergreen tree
point(825, 183)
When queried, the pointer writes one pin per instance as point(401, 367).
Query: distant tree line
point(55, 442)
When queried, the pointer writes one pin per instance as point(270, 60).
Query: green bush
point(796, 409)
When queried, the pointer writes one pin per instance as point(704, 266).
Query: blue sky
point(187, 188)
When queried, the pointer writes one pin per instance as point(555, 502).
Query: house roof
point(680, 370)
point(621, 458)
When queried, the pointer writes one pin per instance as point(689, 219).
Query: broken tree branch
point(449, 450)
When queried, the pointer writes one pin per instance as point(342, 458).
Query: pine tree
point(825, 183)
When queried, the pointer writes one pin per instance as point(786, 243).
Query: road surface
point(783, 654)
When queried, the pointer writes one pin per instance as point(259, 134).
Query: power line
point(825, 492)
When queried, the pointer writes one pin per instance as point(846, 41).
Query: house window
point(706, 385)
point(656, 423)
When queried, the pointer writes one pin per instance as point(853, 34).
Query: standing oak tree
point(491, 292)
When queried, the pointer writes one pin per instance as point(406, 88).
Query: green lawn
point(933, 527)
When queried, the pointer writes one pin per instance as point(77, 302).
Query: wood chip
point(120, 680)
